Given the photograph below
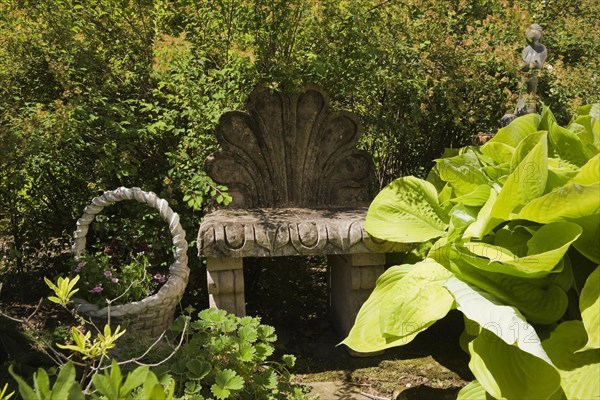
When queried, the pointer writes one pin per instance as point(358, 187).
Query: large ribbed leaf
point(514, 132)
point(540, 300)
point(568, 202)
point(507, 372)
point(406, 211)
point(462, 172)
point(473, 391)
point(525, 183)
point(507, 323)
point(406, 301)
point(539, 255)
point(589, 304)
point(579, 371)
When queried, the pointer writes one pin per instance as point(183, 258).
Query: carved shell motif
point(291, 152)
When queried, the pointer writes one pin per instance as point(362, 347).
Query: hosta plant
point(513, 235)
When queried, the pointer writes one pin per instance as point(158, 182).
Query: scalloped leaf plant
point(513, 230)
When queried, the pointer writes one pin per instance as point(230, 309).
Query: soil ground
point(291, 294)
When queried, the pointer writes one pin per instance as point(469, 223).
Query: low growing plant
point(513, 229)
point(228, 357)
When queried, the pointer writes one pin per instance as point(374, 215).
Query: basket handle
point(179, 267)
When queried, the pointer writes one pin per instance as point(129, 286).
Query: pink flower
point(107, 274)
point(79, 266)
point(160, 278)
point(97, 289)
point(114, 280)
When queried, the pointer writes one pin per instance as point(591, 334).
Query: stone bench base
point(355, 259)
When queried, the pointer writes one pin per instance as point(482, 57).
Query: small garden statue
point(534, 56)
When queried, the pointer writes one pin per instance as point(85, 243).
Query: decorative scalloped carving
point(291, 152)
point(286, 232)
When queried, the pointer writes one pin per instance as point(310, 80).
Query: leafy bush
point(109, 94)
point(227, 357)
point(512, 229)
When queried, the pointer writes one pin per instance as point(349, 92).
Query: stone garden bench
point(300, 188)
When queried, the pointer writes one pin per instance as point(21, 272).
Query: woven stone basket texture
point(155, 313)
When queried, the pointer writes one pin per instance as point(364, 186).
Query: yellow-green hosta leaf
point(500, 152)
point(463, 172)
point(564, 143)
point(406, 211)
point(544, 252)
point(406, 300)
point(587, 244)
point(579, 371)
point(589, 304)
point(540, 300)
point(421, 300)
point(568, 202)
point(525, 146)
point(509, 373)
point(589, 173)
point(514, 132)
point(479, 228)
point(473, 391)
point(525, 183)
point(505, 322)
point(476, 198)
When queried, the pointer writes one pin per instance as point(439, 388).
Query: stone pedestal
point(226, 284)
point(352, 278)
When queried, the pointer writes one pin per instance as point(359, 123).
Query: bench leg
point(352, 278)
point(226, 284)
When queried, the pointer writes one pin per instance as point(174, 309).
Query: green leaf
point(544, 251)
point(41, 383)
point(476, 198)
point(525, 183)
point(540, 300)
point(103, 385)
point(589, 173)
point(64, 382)
point(26, 391)
point(473, 391)
point(116, 378)
point(506, 322)
point(564, 143)
point(407, 210)
point(579, 371)
point(589, 304)
point(570, 201)
point(514, 132)
point(462, 172)
point(407, 300)
point(134, 379)
point(525, 146)
point(226, 381)
point(289, 360)
point(507, 372)
point(198, 368)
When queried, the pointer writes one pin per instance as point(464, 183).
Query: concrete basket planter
point(153, 314)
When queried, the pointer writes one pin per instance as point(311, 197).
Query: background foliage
point(100, 94)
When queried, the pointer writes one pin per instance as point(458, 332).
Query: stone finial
point(533, 55)
point(291, 151)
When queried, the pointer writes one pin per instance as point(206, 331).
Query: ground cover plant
point(510, 238)
point(216, 356)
